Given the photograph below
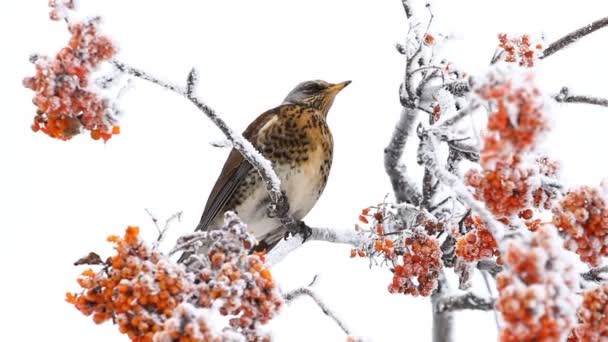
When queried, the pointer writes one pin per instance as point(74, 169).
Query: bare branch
point(565, 97)
point(163, 232)
point(574, 36)
point(467, 301)
point(307, 291)
point(489, 266)
point(261, 165)
point(596, 275)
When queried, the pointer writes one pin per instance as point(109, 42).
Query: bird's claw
point(304, 230)
point(299, 228)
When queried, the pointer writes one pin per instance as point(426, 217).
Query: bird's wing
point(235, 170)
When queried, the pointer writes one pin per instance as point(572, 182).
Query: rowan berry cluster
point(515, 124)
point(505, 189)
point(582, 217)
point(478, 243)
point(507, 183)
point(188, 324)
point(418, 273)
point(138, 289)
point(151, 298)
point(239, 279)
point(593, 316)
point(64, 103)
point(376, 218)
point(519, 49)
point(537, 290)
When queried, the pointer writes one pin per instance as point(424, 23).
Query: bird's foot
point(301, 228)
point(304, 230)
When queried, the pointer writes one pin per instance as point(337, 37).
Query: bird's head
point(318, 94)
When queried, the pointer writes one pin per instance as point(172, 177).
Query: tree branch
point(262, 166)
point(408, 8)
point(443, 321)
point(284, 247)
point(565, 97)
point(467, 301)
point(405, 190)
point(595, 275)
point(574, 36)
point(307, 291)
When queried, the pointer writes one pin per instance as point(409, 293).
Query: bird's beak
point(338, 86)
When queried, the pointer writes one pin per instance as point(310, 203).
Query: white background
point(59, 200)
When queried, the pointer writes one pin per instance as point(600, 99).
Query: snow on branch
point(405, 190)
point(467, 301)
point(564, 96)
point(307, 291)
point(574, 36)
point(279, 205)
point(348, 237)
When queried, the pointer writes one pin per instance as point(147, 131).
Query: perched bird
point(295, 138)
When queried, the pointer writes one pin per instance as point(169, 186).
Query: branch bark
point(574, 37)
point(467, 301)
point(347, 237)
point(565, 97)
point(443, 321)
point(405, 190)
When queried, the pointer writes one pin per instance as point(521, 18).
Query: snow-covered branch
point(405, 189)
point(565, 97)
point(467, 301)
point(279, 204)
point(307, 291)
point(574, 37)
point(443, 321)
point(348, 237)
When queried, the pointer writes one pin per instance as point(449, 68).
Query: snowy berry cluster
point(418, 273)
point(582, 217)
point(509, 183)
point(151, 298)
point(245, 287)
point(537, 290)
point(593, 316)
point(516, 122)
point(376, 218)
point(64, 103)
point(478, 243)
point(137, 289)
point(519, 49)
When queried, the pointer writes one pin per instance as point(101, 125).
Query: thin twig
point(163, 232)
point(596, 274)
point(565, 97)
point(573, 37)
point(306, 291)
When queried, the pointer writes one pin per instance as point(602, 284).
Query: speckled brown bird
point(296, 139)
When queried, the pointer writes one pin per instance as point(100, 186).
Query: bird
point(297, 141)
